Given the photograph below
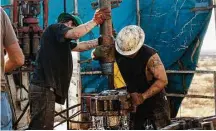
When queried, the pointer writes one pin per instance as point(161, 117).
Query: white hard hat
point(129, 40)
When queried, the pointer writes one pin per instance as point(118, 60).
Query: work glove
point(96, 53)
point(101, 15)
point(137, 99)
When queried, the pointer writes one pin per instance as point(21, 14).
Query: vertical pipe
point(215, 89)
point(138, 12)
point(79, 86)
point(214, 3)
point(67, 101)
point(76, 73)
point(26, 45)
point(36, 41)
point(106, 27)
point(65, 9)
point(11, 11)
point(67, 106)
point(45, 14)
point(107, 39)
point(75, 7)
point(15, 10)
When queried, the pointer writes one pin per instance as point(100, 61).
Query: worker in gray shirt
point(13, 59)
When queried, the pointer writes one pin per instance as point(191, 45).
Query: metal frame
point(138, 11)
point(170, 94)
point(200, 72)
point(177, 72)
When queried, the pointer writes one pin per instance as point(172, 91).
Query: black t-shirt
point(133, 69)
point(54, 61)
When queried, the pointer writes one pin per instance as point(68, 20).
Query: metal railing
point(170, 94)
point(197, 72)
point(177, 72)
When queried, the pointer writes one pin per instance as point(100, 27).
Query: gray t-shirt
point(8, 37)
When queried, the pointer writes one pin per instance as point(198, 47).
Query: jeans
point(6, 113)
point(42, 108)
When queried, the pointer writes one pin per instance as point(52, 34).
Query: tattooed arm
point(86, 45)
point(157, 69)
point(81, 30)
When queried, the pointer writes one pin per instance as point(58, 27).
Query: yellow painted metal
point(118, 80)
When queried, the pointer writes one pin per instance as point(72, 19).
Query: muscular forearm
point(80, 31)
point(154, 89)
point(155, 66)
point(86, 45)
point(10, 65)
point(14, 57)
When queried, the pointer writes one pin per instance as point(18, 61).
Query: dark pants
point(42, 108)
point(152, 114)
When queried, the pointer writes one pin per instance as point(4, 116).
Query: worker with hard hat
point(52, 74)
point(145, 78)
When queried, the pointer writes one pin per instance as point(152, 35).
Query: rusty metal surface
point(106, 110)
point(114, 4)
point(106, 40)
point(15, 12)
point(27, 27)
point(110, 103)
point(45, 14)
point(110, 123)
point(191, 123)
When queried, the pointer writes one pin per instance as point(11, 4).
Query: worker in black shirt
point(52, 74)
point(145, 77)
